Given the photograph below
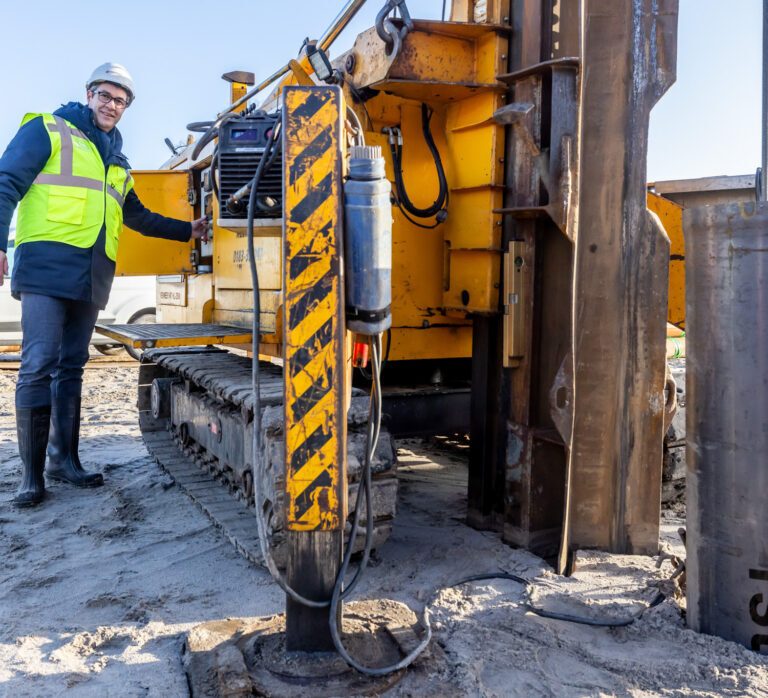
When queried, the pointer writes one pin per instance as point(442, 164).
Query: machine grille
point(241, 148)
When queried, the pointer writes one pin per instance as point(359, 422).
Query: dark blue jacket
point(55, 268)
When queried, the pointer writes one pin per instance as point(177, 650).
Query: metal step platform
point(150, 335)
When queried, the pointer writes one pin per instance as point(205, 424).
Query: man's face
point(107, 115)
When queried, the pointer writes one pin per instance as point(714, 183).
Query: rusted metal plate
point(614, 479)
point(582, 415)
point(436, 61)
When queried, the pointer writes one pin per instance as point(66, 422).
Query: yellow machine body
point(164, 191)
point(439, 275)
point(671, 216)
point(526, 263)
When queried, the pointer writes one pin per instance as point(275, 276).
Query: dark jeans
point(56, 336)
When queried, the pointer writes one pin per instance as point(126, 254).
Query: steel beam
point(620, 286)
point(314, 370)
point(541, 150)
point(583, 423)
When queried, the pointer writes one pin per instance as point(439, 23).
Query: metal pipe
point(726, 249)
point(763, 192)
point(329, 36)
point(340, 23)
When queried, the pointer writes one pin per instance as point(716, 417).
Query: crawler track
point(200, 428)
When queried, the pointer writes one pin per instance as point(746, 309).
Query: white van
point(132, 300)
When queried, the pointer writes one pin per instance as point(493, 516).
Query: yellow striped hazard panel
point(315, 422)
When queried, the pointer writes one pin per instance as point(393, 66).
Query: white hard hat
point(114, 73)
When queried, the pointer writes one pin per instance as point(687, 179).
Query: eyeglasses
point(106, 98)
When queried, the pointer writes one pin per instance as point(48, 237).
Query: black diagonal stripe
point(312, 201)
point(304, 355)
point(313, 394)
point(313, 104)
point(300, 307)
point(304, 501)
point(314, 151)
point(311, 445)
point(306, 256)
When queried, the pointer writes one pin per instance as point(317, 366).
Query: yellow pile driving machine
point(443, 229)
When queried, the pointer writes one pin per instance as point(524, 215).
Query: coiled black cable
point(210, 129)
point(438, 208)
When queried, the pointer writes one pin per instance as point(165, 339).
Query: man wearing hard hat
point(68, 176)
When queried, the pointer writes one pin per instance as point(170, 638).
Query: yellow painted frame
point(313, 310)
point(671, 216)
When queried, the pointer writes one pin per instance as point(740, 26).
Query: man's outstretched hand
point(3, 267)
point(200, 229)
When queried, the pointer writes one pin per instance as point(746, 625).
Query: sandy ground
point(97, 588)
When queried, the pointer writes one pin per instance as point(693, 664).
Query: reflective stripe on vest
point(116, 195)
point(57, 206)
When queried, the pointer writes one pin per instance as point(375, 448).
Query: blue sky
point(709, 121)
point(708, 124)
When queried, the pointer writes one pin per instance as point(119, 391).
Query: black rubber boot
point(32, 433)
point(63, 459)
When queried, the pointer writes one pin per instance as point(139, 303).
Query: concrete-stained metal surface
point(727, 440)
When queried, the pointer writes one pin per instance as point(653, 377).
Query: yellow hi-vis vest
point(74, 194)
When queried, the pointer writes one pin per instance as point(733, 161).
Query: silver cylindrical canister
point(726, 249)
point(368, 242)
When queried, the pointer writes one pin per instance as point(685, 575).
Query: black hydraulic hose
point(337, 590)
point(210, 133)
point(199, 126)
point(211, 129)
point(595, 622)
point(425, 623)
point(214, 165)
point(439, 207)
point(397, 203)
point(371, 442)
